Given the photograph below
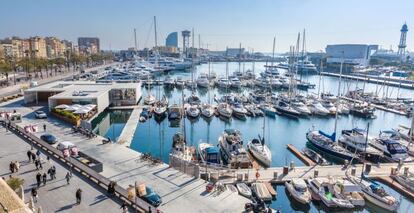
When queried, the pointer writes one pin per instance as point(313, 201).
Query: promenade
point(56, 195)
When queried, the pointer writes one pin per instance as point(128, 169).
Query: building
point(102, 95)
point(186, 41)
point(55, 48)
point(89, 45)
point(7, 50)
point(351, 54)
point(37, 47)
point(10, 201)
point(403, 41)
point(234, 52)
point(172, 40)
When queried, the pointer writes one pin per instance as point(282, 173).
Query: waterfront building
point(172, 40)
point(89, 45)
point(7, 50)
point(37, 47)
point(55, 48)
point(352, 54)
point(234, 52)
point(84, 92)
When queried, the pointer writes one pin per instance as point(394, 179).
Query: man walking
point(68, 176)
point(29, 155)
point(44, 127)
point(53, 172)
point(38, 179)
point(78, 196)
point(34, 194)
point(44, 177)
point(36, 164)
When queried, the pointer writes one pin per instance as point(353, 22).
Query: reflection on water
point(110, 123)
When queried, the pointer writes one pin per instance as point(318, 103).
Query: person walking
point(49, 171)
point(40, 163)
point(38, 153)
point(124, 207)
point(34, 194)
point(11, 167)
point(33, 157)
point(16, 166)
point(68, 177)
point(78, 196)
point(38, 179)
point(44, 178)
point(36, 164)
point(29, 155)
point(53, 172)
point(44, 127)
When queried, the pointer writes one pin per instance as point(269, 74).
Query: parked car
point(64, 145)
point(151, 197)
point(48, 138)
point(40, 114)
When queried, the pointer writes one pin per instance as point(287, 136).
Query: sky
point(220, 23)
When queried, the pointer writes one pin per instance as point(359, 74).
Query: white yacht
point(202, 81)
point(232, 150)
point(207, 110)
point(298, 189)
point(225, 110)
point(193, 111)
point(323, 189)
point(260, 151)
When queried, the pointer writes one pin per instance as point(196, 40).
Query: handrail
point(138, 203)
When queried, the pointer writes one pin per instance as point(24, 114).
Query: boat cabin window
point(396, 148)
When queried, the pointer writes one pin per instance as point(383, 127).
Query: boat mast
point(320, 76)
point(155, 39)
point(339, 94)
point(273, 52)
point(240, 52)
point(208, 79)
point(365, 152)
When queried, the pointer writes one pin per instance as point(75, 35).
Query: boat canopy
point(332, 137)
point(299, 183)
point(212, 150)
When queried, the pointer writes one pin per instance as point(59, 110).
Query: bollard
point(208, 176)
point(353, 171)
point(275, 175)
point(239, 177)
point(285, 170)
point(406, 171)
point(367, 168)
point(393, 170)
point(246, 176)
point(292, 165)
point(315, 173)
point(400, 163)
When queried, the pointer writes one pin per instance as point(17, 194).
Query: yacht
point(268, 110)
point(376, 194)
point(286, 109)
point(207, 110)
point(179, 83)
point(223, 83)
point(239, 110)
point(350, 191)
point(160, 109)
point(225, 110)
point(283, 65)
point(193, 111)
point(193, 99)
point(202, 81)
point(235, 83)
point(174, 112)
point(326, 144)
point(301, 108)
point(306, 67)
point(260, 151)
point(298, 189)
point(323, 189)
point(169, 82)
point(392, 149)
point(232, 150)
point(317, 109)
point(253, 110)
point(150, 99)
point(356, 140)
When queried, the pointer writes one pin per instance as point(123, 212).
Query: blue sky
point(220, 23)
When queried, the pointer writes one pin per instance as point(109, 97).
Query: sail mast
point(273, 51)
point(339, 95)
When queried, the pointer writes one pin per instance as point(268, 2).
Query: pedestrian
point(33, 157)
point(38, 179)
point(38, 153)
point(11, 167)
point(40, 163)
point(36, 164)
point(29, 155)
point(48, 159)
point(149, 209)
point(34, 194)
point(68, 176)
point(124, 207)
point(78, 196)
point(54, 171)
point(16, 166)
point(44, 177)
point(44, 127)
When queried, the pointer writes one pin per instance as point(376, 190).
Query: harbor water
point(155, 137)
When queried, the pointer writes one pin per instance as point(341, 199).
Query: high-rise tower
point(403, 41)
point(186, 41)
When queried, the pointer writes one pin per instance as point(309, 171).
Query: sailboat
point(327, 143)
point(224, 108)
point(206, 109)
point(259, 149)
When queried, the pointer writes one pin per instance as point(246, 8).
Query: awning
point(62, 106)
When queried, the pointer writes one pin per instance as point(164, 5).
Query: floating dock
point(270, 188)
point(396, 186)
point(300, 155)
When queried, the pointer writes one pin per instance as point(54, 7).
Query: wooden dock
point(300, 155)
point(396, 186)
point(270, 188)
point(255, 164)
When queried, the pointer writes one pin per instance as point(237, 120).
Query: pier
point(373, 79)
point(300, 155)
point(129, 130)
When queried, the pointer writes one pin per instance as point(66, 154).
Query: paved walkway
point(179, 192)
point(56, 195)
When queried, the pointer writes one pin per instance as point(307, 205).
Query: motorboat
point(260, 151)
point(317, 109)
point(350, 191)
point(160, 109)
point(268, 110)
point(239, 110)
point(376, 194)
point(209, 153)
point(261, 192)
point(357, 140)
point(298, 189)
point(169, 82)
point(286, 109)
point(223, 83)
point(232, 151)
point(392, 149)
point(202, 81)
point(244, 190)
point(301, 108)
point(150, 99)
point(193, 111)
point(257, 97)
point(315, 157)
point(401, 138)
point(144, 115)
point(179, 82)
point(323, 189)
point(364, 111)
point(174, 112)
point(253, 110)
point(326, 143)
point(225, 110)
point(193, 99)
point(207, 110)
point(235, 83)
point(306, 67)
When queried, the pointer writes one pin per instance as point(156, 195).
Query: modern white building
point(355, 54)
point(102, 95)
